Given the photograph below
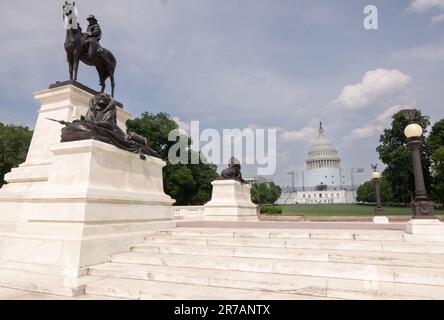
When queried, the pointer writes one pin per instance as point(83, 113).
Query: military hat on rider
point(91, 18)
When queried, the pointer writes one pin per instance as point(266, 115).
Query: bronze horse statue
point(76, 48)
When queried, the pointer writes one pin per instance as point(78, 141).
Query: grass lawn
point(342, 210)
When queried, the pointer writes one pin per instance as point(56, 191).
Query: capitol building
point(323, 181)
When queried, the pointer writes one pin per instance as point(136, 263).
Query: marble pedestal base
point(380, 220)
point(425, 227)
point(63, 102)
point(98, 200)
point(231, 201)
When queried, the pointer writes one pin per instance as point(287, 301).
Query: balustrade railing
point(188, 212)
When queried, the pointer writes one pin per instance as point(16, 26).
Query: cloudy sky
point(282, 64)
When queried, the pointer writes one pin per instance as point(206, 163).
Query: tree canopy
point(395, 154)
point(366, 192)
point(265, 193)
point(14, 145)
point(188, 184)
point(436, 145)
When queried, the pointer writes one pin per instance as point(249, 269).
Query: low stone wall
point(188, 212)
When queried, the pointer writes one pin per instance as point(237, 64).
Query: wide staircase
point(256, 264)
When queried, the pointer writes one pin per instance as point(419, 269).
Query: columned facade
point(324, 180)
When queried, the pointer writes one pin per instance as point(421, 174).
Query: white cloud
point(424, 5)
point(307, 133)
point(373, 128)
point(303, 134)
point(385, 117)
point(438, 18)
point(429, 52)
point(374, 85)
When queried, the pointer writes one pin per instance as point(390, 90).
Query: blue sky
point(282, 64)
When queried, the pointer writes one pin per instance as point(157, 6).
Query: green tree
point(366, 192)
point(265, 193)
point(188, 184)
point(436, 145)
point(14, 145)
point(394, 152)
point(156, 128)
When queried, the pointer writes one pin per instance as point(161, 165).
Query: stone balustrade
point(188, 212)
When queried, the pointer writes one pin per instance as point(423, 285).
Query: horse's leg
point(113, 84)
point(103, 84)
point(102, 78)
point(76, 66)
point(71, 66)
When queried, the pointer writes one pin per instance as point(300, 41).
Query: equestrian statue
point(85, 47)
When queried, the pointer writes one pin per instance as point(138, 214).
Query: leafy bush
point(271, 210)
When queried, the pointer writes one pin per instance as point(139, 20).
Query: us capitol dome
point(323, 164)
point(323, 181)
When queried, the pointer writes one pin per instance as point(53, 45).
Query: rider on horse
point(93, 35)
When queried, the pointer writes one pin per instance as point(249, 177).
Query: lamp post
point(422, 208)
point(376, 176)
point(379, 211)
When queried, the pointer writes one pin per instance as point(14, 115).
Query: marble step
point(43, 283)
point(233, 251)
point(377, 290)
point(378, 235)
point(353, 271)
point(20, 295)
point(317, 287)
point(288, 284)
point(153, 290)
point(363, 257)
point(352, 245)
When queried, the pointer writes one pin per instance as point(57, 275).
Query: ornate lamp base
point(423, 210)
point(379, 212)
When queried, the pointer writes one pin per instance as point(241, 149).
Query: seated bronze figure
point(100, 123)
point(233, 172)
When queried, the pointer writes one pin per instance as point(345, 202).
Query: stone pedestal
point(97, 201)
point(380, 220)
point(425, 227)
point(66, 102)
point(231, 201)
point(71, 205)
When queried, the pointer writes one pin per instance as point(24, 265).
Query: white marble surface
point(98, 200)
point(209, 263)
point(425, 227)
point(231, 201)
point(380, 220)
